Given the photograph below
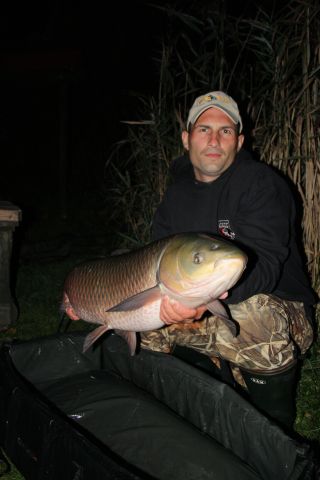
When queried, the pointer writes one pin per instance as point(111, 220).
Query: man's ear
point(240, 141)
point(185, 139)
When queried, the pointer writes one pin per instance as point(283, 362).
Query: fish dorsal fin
point(138, 301)
point(216, 308)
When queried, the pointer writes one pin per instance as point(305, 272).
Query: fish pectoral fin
point(93, 336)
point(130, 338)
point(216, 308)
point(137, 301)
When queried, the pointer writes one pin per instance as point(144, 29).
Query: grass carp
point(123, 292)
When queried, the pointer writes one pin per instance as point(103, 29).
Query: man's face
point(212, 143)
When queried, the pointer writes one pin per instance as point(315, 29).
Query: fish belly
point(140, 320)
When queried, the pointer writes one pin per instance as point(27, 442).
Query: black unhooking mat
point(106, 415)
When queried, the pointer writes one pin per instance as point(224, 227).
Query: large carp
point(123, 292)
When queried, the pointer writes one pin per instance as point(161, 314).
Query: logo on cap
point(210, 98)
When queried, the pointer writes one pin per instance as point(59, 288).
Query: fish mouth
point(229, 269)
point(227, 272)
point(231, 264)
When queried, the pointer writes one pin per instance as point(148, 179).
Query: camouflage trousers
point(271, 332)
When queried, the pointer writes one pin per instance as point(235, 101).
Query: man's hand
point(172, 311)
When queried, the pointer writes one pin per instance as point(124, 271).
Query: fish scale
point(94, 287)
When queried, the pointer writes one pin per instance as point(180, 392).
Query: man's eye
point(227, 131)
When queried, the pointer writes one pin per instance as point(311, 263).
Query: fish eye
point(197, 258)
point(214, 246)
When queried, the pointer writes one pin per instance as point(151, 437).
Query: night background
point(67, 72)
point(71, 74)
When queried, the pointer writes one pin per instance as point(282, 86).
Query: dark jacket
point(250, 204)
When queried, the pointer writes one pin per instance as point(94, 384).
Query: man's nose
point(214, 138)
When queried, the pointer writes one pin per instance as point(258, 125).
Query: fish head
point(198, 265)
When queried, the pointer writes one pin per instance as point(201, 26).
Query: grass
point(14, 474)
point(308, 397)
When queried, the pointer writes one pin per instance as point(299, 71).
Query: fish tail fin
point(93, 336)
point(67, 308)
point(130, 338)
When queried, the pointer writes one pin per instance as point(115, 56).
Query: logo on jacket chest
point(225, 229)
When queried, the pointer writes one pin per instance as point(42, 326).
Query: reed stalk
point(285, 108)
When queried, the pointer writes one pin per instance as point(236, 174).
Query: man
point(219, 189)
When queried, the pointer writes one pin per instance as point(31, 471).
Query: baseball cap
point(219, 100)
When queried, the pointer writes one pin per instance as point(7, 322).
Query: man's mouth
point(213, 153)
